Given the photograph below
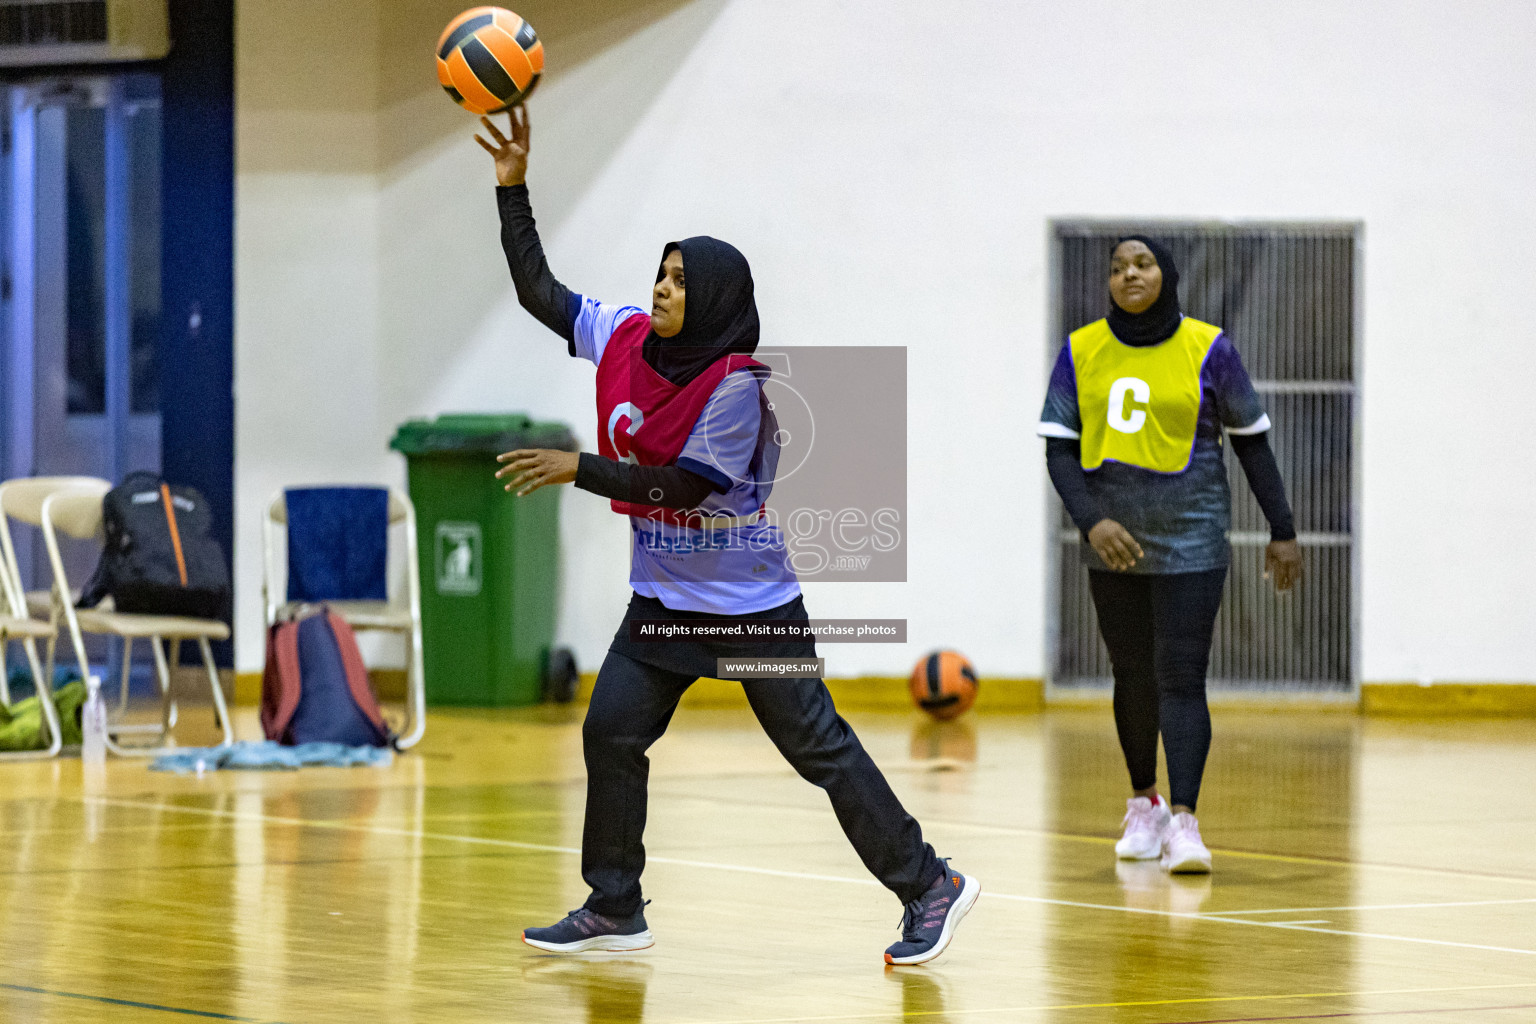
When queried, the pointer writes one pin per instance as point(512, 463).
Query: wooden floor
point(1365, 870)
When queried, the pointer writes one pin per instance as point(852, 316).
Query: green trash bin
point(490, 561)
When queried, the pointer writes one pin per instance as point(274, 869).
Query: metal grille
point(1285, 295)
point(44, 22)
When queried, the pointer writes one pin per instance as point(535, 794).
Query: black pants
point(1158, 632)
point(632, 703)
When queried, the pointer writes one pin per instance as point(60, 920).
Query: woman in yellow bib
point(1135, 418)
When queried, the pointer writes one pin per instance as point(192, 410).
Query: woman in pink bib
point(686, 451)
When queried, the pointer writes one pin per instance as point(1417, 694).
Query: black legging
point(632, 703)
point(1158, 632)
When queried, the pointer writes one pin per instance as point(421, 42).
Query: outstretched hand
point(528, 469)
point(511, 154)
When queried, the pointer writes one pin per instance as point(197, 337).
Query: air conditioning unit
point(42, 33)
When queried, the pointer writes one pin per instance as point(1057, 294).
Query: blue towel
point(338, 541)
point(270, 756)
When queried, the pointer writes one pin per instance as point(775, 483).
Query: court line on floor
point(128, 1002)
point(336, 826)
point(1283, 925)
point(1186, 1001)
point(226, 865)
point(78, 827)
point(660, 788)
point(1078, 837)
point(1359, 1013)
point(1224, 851)
point(1376, 906)
point(779, 873)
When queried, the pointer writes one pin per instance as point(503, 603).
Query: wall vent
point(44, 33)
point(1286, 293)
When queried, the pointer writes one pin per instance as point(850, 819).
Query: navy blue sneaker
point(931, 919)
point(583, 931)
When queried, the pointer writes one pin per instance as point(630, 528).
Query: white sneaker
point(1183, 852)
point(1145, 823)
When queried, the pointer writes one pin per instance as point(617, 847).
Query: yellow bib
point(1140, 405)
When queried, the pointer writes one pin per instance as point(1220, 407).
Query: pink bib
point(643, 418)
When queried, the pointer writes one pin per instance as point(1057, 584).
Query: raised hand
point(511, 154)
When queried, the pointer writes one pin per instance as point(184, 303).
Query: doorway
point(1286, 295)
point(80, 294)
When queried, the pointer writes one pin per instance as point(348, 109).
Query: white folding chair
point(29, 631)
point(76, 512)
point(400, 614)
point(23, 500)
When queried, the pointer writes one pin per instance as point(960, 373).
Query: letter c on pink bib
point(636, 417)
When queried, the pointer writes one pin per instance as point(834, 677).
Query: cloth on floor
point(21, 725)
point(271, 756)
point(338, 541)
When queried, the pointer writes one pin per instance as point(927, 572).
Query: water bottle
point(93, 727)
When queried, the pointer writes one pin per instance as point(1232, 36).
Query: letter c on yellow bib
point(1140, 393)
point(1140, 406)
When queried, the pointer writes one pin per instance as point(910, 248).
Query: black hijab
point(719, 313)
point(1158, 321)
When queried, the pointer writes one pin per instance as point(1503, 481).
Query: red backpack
point(315, 687)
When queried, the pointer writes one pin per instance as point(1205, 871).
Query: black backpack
point(159, 558)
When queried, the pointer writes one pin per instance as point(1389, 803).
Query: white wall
point(890, 171)
point(308, 371)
